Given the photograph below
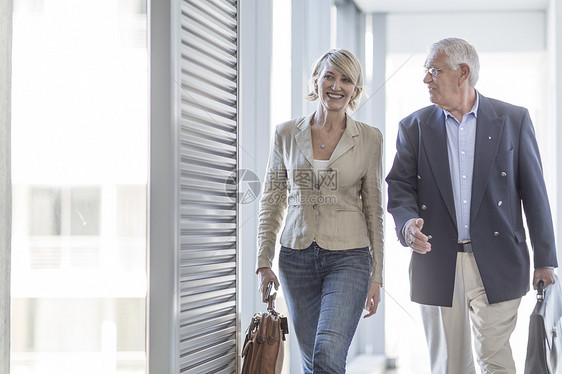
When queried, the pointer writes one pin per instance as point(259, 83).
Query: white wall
point(5, 189)
point(487, 31)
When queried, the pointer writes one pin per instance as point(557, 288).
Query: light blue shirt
point(461, 140)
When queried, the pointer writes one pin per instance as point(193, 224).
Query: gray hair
point(347, 64)
point(459, 51)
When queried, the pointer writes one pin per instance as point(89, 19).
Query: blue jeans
point(325, 293)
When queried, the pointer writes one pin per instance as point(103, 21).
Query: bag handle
point(271, 304)
point(540, 291)
point(270, 298)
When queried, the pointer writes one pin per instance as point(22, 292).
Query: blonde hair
point(347, 64)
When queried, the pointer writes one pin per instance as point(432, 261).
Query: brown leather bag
point(263, 347)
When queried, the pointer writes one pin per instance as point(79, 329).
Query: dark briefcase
point(544, 348)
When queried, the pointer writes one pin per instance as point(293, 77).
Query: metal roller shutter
point(207, 272)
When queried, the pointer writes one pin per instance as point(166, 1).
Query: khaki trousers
point(448, 330)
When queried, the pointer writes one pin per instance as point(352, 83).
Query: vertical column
point(299, 68)
point(554, 46)
point(373, 112)
point(311, 27)
point(162, 211)
point(255, 37)
point(5, 181)
point(378, 105)
point(557, 123)
point(378, 93)
point(349, 27)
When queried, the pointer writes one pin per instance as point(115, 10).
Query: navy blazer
point(507, 174)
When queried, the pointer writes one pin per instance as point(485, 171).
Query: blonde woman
point(325, 172)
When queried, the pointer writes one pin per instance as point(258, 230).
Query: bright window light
point(79, 173)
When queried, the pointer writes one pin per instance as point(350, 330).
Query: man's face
point(444, 90)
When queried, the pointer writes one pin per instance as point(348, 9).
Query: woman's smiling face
point(335, 90)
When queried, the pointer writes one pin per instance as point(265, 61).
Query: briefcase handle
point(540, 291)
point(270, 298)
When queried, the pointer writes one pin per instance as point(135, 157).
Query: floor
point(367, 364)
point(410, 362)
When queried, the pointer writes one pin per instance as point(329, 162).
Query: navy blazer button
point(500, 203)
point(503, 174)
point(496, 233)
point(419, 176)
point(424, 207)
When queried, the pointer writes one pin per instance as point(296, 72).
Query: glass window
point(79, 173)
point(45, 211)
point(84, 212)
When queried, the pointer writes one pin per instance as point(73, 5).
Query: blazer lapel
point(304, 139)
point(434, 140)
point(347, 140)
point(488, 132)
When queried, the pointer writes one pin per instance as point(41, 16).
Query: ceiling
point(407, 6)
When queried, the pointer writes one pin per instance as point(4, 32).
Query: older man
point(463, 168)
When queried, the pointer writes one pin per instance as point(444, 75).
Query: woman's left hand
point(373, 299)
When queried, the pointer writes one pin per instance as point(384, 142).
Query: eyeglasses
point(433, 71)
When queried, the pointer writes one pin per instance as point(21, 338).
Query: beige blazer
point(340, 209)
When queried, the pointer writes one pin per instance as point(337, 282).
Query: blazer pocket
point(504, 160)
point(520, 236)
point(357, 210)
point(349, 223)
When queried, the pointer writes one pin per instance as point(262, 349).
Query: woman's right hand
point(265, 276)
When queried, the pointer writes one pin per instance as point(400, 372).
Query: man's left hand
point(544, 274)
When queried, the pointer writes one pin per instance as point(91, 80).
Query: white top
point(320, 165)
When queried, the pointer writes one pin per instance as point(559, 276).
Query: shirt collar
point(474, 109)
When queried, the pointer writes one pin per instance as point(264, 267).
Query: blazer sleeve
point(371, 194)
point(402, 179)
point(534, 197)
point(272, 203)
